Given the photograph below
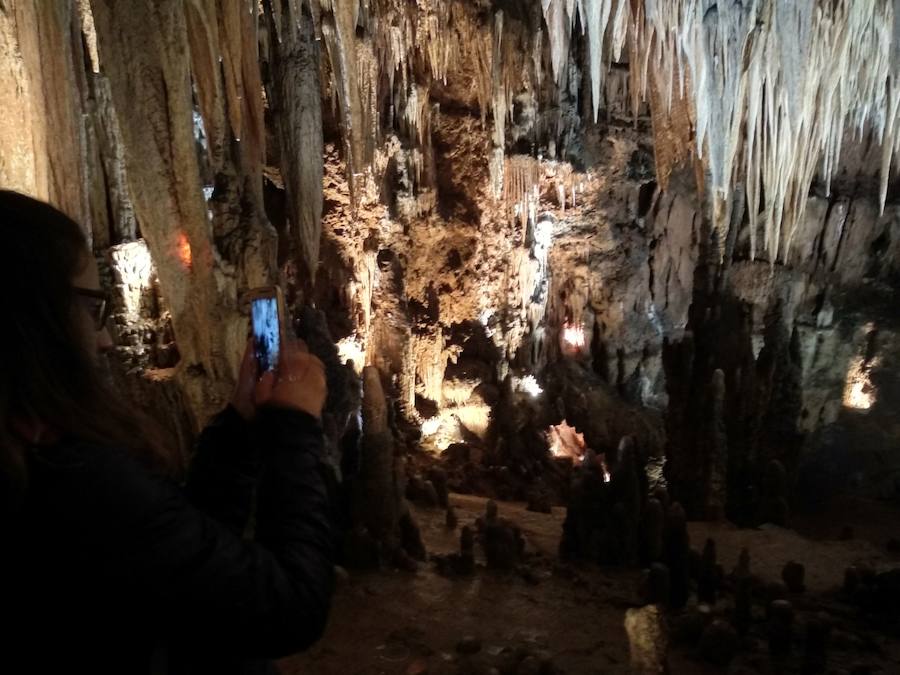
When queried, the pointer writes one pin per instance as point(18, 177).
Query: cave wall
point(456, 185)
point(140, 128)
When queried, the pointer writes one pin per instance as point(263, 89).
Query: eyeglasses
point(97, 303)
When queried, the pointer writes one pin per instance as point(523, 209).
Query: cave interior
point(606, 290)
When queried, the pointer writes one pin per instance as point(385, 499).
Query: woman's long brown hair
point(46, 374)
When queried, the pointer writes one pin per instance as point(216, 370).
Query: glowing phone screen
point(266, 336)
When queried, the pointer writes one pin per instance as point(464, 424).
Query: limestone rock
point(648, 640)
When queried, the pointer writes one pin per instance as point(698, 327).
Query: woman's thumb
point(264, 387)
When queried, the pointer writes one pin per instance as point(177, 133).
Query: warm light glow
point(556, 449)
point(133, 269)
point(528, 384)
point(431, 426)
point(458, 391)
point(350, 349)
point(441, 430)
point(859, 392)
point(566, 441)
point(451, 424)
point(601, 460)
point(184, 250)
point(475, 418)
point(573, 336)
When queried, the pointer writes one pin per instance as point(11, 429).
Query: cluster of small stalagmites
point(608, 519)
point(460, 564)
point(500, 540)
point(740, 620)
point(383, 531)
point(874, 593)
point(429, 489)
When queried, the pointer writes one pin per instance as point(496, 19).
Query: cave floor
point(399, 622)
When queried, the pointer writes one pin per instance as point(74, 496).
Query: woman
point(108, 566)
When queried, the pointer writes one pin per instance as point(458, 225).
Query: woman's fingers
point(242, 398)
point(248, 363)
point(300, 383)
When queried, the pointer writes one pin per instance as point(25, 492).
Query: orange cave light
point(183, 248)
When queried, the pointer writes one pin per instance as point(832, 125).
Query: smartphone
point(267, 325)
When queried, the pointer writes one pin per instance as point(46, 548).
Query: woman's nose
point(104, 341)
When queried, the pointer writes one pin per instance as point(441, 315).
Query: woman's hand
point(299, 382)
point(242, 398)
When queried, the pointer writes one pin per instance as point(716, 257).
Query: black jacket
point(114, 569)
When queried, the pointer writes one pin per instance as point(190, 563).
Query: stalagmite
point(676, 550)
point(651, 532)
point(648, 640)
point(716, 442)
point(375, 504)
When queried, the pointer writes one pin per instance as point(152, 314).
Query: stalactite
point(111, 147)
point(771, 105)
point(416, 125)
point(339, 32)
point(253, 134)
point(558, 27)
point(521, 187)
point(719, 37)
point(224, 51)
point(499, 105)
point(143, 51)
point(295, 104)
point(595, 16)
point(204, 39)
point(672, 132)
point(777, 84)
point(481, 53)
point(42, 137)
point(230, 52)
point(87, 65)
point(430, 360)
